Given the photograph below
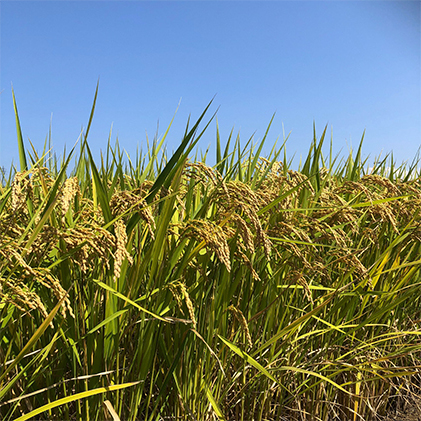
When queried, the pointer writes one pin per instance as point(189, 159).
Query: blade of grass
point(72, 398)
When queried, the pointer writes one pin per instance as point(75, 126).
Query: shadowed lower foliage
point(168, 289)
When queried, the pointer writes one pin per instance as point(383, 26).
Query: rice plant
point(165, 288)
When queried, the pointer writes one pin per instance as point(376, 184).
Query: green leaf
point(128, 300)
point(34, 338)
point(248, 358)
point(21, 146)
point(175, 161)
point(213, 402)
point(100, 189)
point(73, 398)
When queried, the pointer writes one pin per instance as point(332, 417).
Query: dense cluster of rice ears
point(169, 289)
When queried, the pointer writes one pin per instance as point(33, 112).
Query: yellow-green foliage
point(242, 291)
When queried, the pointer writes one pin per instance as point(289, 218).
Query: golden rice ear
point(213, 235)
point(189, 304)
point(88, 243)
point(297, 277)
point(180, 293)
point(240, 199)
point(244, 230)
point(70, 190)
point(133, 201)
point(20, 188)
point(18, 294)
point(121, 252)
point(248, 263)
point(207, 173)
point(382, 183)
point(243, 322)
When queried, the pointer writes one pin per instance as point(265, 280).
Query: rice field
point(163, 288)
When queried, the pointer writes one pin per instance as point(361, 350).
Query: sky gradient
point(351, 65)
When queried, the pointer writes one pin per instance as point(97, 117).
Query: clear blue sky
point(353, 65)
